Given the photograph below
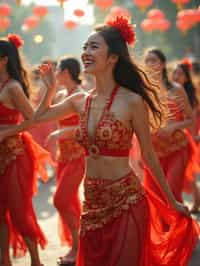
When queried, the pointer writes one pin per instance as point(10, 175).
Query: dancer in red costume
point(182, 76)
point(173, 146)
point(118, 226)
point(71, 163)
point(20, 159)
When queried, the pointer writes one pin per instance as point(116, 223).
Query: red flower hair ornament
point(187, 62)
point(16, 40)
point(124, 27)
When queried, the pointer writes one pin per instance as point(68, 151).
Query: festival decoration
point(103, 4)
point(143, 4)
point(70, 24)
point(156, 20)
point(180, 3)
point(18, 2)
point(5, 10)
point(61, 2)
point(40, 11)
point(79, 12)
point(147, 25)
point(4, 24)
point(31, 22)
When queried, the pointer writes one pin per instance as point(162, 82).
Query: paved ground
point(47, 219)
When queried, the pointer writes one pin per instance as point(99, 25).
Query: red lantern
point(155, 14)
point(188, 15)
point(180, 3)
point(31, 22)
point(70, 24)
point(143, 4)
point(5, 10)
point(40, 11)
point(61, 2)
point(104, 3)
point(163, 24)
point(4, 24)
point(79, 12)
point(118, 11)
point(148, 25)
point(183, 25)
point(18, 2)
point(197, 16)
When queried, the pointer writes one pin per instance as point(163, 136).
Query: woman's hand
point(47, 75)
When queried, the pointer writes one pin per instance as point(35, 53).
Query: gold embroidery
point(10, 148)
point(105, 201)
point(69, 150)
point(111, 134)
point(165, 146)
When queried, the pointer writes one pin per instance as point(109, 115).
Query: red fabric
point(70, 173)
point(134, 235)
point(8, 116)
point(66, 198)
point(40, 134)
point(112, 137)
point(17, 187)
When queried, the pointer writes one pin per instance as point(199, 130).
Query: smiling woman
point(118, 223)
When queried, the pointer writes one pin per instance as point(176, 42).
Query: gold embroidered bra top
point(112, 137)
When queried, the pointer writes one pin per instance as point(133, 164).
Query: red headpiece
point(187, 62)
point(122, 25)
point(16, 40)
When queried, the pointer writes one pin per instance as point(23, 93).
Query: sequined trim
point(106, 199)
point(69, 150)
point(165, 146)
point(10, 148)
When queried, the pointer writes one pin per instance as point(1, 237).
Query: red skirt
point(120, 227)
point(70, 173)
point(21, 159)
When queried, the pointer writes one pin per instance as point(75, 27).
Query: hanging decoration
point(31, 22)
point(147, 25)
point(5, 10)
point(118, 11)
point(180, 3)
point(18, 2)
point(187, 18)
point(40, 11)
point(70, 24)
point(155, 14)
point(156, 20)
point(61, 2)
point(79, 13)
point(103, 4)
point(142, 4)
point(4, 24)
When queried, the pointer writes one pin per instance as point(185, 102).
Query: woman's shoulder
point(14, 87)
point(130, 96)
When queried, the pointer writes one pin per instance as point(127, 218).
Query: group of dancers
point(131, 214)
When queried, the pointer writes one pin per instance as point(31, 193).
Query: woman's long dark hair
point(14, 65)
point(126, 73)
point(73, 66)
point(163, 59)
point(188, 85)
